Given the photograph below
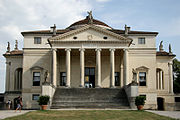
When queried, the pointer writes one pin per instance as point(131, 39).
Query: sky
point(145, 15)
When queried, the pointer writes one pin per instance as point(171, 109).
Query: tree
point(176, 76)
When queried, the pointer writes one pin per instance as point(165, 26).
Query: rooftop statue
point(8, 47)
point(161, 47)
point(90, 17)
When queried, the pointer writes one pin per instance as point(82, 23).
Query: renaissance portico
point(90, 64)
point(96, 47)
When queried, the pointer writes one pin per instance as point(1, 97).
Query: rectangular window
point(142, 78)
point(35, 96)
point(36, 78)
point(143, 96)
point(117, 82)
point(141, 40)
point(37, 40)
point(177, 99)
point(62, 78)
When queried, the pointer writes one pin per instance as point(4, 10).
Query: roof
point(61, 31)
point(14, 53)
point(117, 31)
point(164, 53)
point(86, 21)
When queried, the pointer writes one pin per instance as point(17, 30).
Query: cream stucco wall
point(38, 57)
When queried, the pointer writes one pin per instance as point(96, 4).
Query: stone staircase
point(90, 98)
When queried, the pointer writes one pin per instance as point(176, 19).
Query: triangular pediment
point(90, 33)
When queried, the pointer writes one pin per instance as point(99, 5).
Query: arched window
point(18, 79)
point(159, 79)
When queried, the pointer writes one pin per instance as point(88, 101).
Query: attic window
point(104, 37)
point(74, 37)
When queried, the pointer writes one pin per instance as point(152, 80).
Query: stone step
point(89, 98)
point(89, 105)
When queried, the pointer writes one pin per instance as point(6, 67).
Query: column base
point(98, 86)
point(81, 86)
point(67, 86)
point(112, 87)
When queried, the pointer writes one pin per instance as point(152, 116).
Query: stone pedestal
point(131, 92)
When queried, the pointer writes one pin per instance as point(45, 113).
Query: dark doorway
point(160, 103)
point(15, 103)
point(89, 81)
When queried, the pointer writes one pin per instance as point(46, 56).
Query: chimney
point(127, 29)
point(53, 29)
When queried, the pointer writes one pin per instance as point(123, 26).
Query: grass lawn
point(89, 115)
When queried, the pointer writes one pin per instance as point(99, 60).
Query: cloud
point(22, 15)
point(102, 0)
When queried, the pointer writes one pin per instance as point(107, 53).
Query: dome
point(86, 21)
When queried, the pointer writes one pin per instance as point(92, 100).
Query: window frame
point(33, 84)
point(141, 41)
point(36, 40)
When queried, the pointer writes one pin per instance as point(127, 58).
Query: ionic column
point(125, 66)
point(8, 74)
point(157, 80)
point(112, 82)
point(170, 77)
point(160, 79)
point(54, 67)
point(98, 67)
point(68, 67)
point(82, 66)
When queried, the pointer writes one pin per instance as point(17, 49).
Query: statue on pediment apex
point(90, 17)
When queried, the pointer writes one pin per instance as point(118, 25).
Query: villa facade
point(89, 54)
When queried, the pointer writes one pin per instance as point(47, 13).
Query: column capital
point(54, 49)
point(98, 49)
point(170, 63)
point(125, 49)
point(68, 49)
point(112, 49)
point(81, 49)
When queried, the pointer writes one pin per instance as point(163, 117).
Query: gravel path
point(11, 113)
point(172, 114)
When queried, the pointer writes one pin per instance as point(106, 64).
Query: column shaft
point(98, 67)
point(112, 82)
point(160, 81)
point(68, 67)
point(170, 78)
point(125, 66)
point(54, 67)
point(82, 67)
point(157, 80)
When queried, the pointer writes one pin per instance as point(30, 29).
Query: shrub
point(43, 100)
point(140, 100)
